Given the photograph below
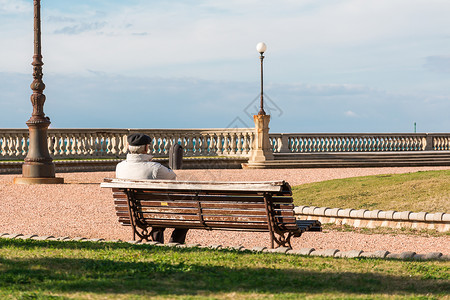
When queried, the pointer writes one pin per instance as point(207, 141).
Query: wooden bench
point(241, 206)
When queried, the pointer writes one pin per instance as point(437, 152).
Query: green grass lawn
point(421, 191)
point(48, 269)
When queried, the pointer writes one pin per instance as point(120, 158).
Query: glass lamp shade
point(261, 47)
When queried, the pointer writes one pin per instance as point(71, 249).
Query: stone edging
point(375, 218)
point(382, 254)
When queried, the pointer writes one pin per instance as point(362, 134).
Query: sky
point(339, 66)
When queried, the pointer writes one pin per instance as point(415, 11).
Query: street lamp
point(38, 167)
point(261, 48)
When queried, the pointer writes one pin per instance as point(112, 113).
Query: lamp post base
point(42, 180)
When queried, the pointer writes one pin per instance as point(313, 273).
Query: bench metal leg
point(143, 234)
point(283, 239)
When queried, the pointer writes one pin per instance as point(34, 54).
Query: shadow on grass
point(168, 276)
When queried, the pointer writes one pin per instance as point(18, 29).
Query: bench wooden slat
point(228, 204)
point(205, 211)
point(212, 217)
point(267, 186)
point(198, 225)
point(201, 197)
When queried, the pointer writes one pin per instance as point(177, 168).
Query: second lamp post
point(261, 48)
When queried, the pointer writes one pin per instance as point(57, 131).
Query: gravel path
point(81, 208)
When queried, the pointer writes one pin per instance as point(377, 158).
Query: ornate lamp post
point(262, 149)
point(261, 48)
point(38, 167)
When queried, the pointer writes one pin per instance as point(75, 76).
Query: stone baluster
point(252, 137)
point(301, 144)
point(97, 144)
point(15, 145)
point(165, 145)
point(71, 145)
point(78, 143)
point(109, 144)
point(115, 149)
point(162, 145)
point(10, 148)
point(50, 144)
point(21, 145)
point(233, 143)
point(56, 144)
point(3, 145)
point(92, 144)
point(239, 142)
point(219, 144)
point(283, 144)
point(226, 144)
point(212, 144)
point(124, 143)
point(188, 144)
point(195, 145)
point(154, 148)
point(168, 142)
point(85, 145)
point(63, 145)
point(245, 143)
point(204, 144)
point(103, 144)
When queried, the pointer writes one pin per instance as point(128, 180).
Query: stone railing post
point(284, 147)
point(261, 150)
point(429, 142)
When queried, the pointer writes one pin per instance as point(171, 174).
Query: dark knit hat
point(138, 139)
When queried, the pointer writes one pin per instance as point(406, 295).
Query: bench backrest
point(211, 205)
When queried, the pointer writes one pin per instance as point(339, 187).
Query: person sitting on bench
point(139, 165)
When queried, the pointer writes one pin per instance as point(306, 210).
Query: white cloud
point(351, 114)
point(10, 7)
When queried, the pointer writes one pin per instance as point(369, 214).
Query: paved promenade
point(81, 208)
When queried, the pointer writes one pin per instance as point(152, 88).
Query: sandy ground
point(80, 208)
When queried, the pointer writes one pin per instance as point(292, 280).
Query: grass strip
point(420, 191)
point(86, 270)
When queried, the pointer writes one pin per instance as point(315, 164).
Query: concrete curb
point(336, 253)
point(375, 218)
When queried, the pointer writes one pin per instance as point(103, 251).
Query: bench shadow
point(75, 275)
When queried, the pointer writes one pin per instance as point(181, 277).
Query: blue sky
point(330, 66)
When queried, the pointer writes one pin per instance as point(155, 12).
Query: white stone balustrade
point(111, 143)
point(358, 142)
